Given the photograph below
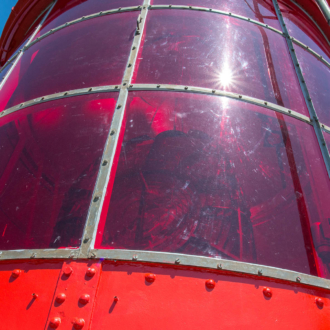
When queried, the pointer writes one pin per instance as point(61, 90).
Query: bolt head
point(16, 273)
point(84, 299)
point(60, 298)
point(150, 277)
point(78, 323)
point(267, 292)
point(90, 272)
point(55, 322)
point(319, 302)
point(115, 298)
point(210, 284)
point(34, 295)
point(67, 271)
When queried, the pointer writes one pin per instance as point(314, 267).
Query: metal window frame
point(314, 118)
point(86, 250)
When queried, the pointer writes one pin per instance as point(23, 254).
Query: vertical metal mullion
point(21, 52)
point(103, 178)
point(314, 118)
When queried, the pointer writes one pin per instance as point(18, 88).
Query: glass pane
point(87, 54)
point(303, 29)
point(220, 52)
point(4, 71)
point(50, 156)
point(211, 176)
point(317, 77)
point(66, 11)
point(262, 11)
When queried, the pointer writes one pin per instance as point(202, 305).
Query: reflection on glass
point(49, 159)
point(211, 176)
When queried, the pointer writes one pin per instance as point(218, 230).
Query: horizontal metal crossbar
point(39, 254)
point(56, 96)
point(211, 263)
point(164, 87)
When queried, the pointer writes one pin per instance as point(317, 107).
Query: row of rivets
point(90, 272)
point(78, 323)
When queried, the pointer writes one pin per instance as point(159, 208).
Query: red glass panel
point(209, 50)
point(50, 156)
point(262, 11)
point(211, 176)
point(317, 77)
point(303, 29)
point(87, 54)
point(66, 11)
point(4, 71)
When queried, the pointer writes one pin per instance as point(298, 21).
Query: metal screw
point(96, 199)
point(213, 91)
point(119, 8)
point(86, 240)
point(129, 65)
point(130, 86)
point(177, 261)
point(105, 162)
point(33, 255)
point(210, 9)
point(93, 255)
point(298, 279)
point(265, 103)
point(133, 48)
point(115, 299)
point(21, 104)
point(118, 106)
point(112, 132)
point(158, 86)
point(135, 258)
point(34, 295)
point(116, 87)
point(240, 96)
point(219, 266)
point(72, 255)
point(289, 111)
point(90, 89)
point(260, 272)
point(66, 93)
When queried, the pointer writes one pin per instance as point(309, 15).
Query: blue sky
point(5, 9)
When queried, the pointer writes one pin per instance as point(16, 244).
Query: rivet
point(177, 261)
point(219, 266)
point(133, 48)
point(319, 302)
point(66, 93)
point(158, 86)
point(213, 91)
point(90, 89)
point(135, 258)
point(101, 12)
point(112, 132)
point(78, 323)
point(16, 273)
point(265, 103)
point(105, 162)
point(289, 111)
point(210, 284)
point(33, 255)
point(267, 292)
point(260, 272)
point(55, 322)
point(116, 87)
point(298, 279)
point(96, 199)
point(42, 99)
point(60, 298)
point(115, 299)
point(129, 65)
point(90, 272)
point(240, 96)
point(34, 295)
point(21, 104)
point(67, 271)
point(186, 88)
point(150, 277)
point(84, 299)
point(124, 84)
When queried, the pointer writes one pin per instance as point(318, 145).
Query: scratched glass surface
point(262, 11)
point(302, 28)
point(220, 52)
point(66, 11)
point(91, 53)
point(49, 159)
point(211, 176)
point(317, 78)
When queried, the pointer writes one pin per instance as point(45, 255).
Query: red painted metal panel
point(180, 299)
point(19, 309)
point(75, 295)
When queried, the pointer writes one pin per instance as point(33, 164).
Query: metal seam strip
point(56, 96)
point(95, 209)
point(308, 100)
point(39, 254)
point(164, 87)
point(21, 52)
point(212, 263)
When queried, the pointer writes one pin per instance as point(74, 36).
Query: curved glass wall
point(196, 174)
